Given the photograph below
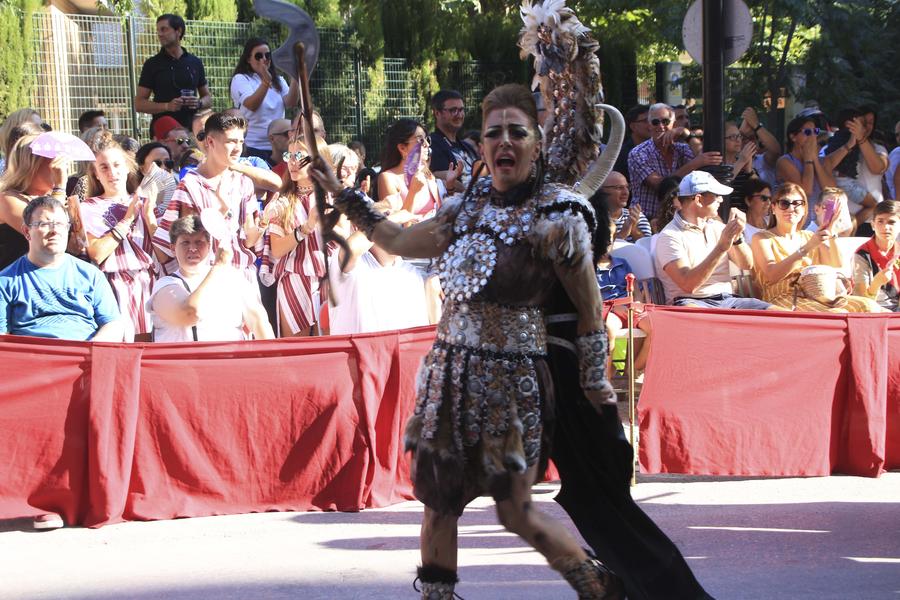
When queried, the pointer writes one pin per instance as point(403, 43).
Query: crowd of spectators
point(208, 231)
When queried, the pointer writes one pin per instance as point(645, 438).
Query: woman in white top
point(199, 302)
point(261, 95)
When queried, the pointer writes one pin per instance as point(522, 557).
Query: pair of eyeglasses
point(618, 188)
point(422, 141)
point(664, 122)
point(263, 55)
point(301, 158)
point(762, 197)
point(455, 111)
point(48, 225)
point(169, 164)
point(785, 204)
point(736, 137)
point(814, 131)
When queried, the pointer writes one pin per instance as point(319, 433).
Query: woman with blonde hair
point(119, 227)
point(294, 256)
point(27, 176)
point(23, 117)
point(782, 251)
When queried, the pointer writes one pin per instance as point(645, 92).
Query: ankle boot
point(590, 578)
point(437, 583)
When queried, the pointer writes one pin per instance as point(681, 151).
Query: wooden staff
point(328, 217)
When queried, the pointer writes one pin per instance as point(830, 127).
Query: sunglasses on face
point(814, 131)
point(785, 203)
point(301, 158)
point(455, 111)
point(664, 122)
point(762, 197)
point(169, 164)
point(263, 55)
point(182, 141)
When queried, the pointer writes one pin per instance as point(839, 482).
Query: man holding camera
point(175, 77)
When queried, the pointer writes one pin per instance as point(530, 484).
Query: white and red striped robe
point(129, 268)
point(194, 193)
point(298, 272)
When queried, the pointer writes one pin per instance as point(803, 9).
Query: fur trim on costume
point(568, 72)
point(436, 574)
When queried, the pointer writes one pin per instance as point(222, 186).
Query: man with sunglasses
point(448, 153)
point(176, 78)
point(48, 293)
point(694, 249)
point(661, 156)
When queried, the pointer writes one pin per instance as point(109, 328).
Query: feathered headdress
point(568, 72)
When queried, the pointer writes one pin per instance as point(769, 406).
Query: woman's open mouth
point(505, 162)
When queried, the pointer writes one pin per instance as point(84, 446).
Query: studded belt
point(494, 328)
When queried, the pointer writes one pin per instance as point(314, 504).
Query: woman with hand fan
point(405, 181)
point(27, 176)
point(119, 226)
point(294, 257)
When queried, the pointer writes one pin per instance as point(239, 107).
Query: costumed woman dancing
point(589, 448)
point(505, 248)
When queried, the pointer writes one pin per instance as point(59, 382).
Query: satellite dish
point(737, 26)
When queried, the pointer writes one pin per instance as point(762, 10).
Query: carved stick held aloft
point(328, 217)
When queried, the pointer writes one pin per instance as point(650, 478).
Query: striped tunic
point(129, 268)
point(193, 194)
point(297, 273)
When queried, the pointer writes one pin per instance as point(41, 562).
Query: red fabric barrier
point(749, 393)
point(102, 432)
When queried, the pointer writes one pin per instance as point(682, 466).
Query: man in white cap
point(693, 251)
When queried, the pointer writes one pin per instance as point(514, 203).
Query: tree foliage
point(16, 38)
point(854, 60)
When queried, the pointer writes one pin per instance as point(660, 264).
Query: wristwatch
point(738, 241)
point(758, 127)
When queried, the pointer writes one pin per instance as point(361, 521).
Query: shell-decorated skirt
point(480, 396)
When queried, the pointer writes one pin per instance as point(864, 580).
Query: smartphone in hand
point(411, 165)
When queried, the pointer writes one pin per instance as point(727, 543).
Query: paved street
point(817, 538)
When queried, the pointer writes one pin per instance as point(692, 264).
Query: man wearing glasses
point(48, 293)
point(661, 156)
point(175, 77)
point(448, 153)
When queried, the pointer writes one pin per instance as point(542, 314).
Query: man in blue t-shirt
point(48, 293)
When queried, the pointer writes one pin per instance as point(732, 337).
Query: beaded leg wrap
point(590, 578)
point(437, 583)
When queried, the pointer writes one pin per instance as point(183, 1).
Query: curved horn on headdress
point(601, 168)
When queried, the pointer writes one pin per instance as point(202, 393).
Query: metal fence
point(91, 62)
point(84, 62)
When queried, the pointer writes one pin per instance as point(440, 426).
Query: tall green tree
point(212, 10)
point(854, 60)
point(17, 42)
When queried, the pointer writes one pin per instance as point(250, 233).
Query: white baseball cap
point(700, 182)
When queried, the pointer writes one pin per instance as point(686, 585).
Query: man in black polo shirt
point(446, 150)
point(176, 78)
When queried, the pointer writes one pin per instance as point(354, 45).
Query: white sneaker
point(48, 521)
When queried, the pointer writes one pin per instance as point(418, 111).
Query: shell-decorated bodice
point(506, 253)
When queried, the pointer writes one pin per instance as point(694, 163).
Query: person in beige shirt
point(693, 251)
